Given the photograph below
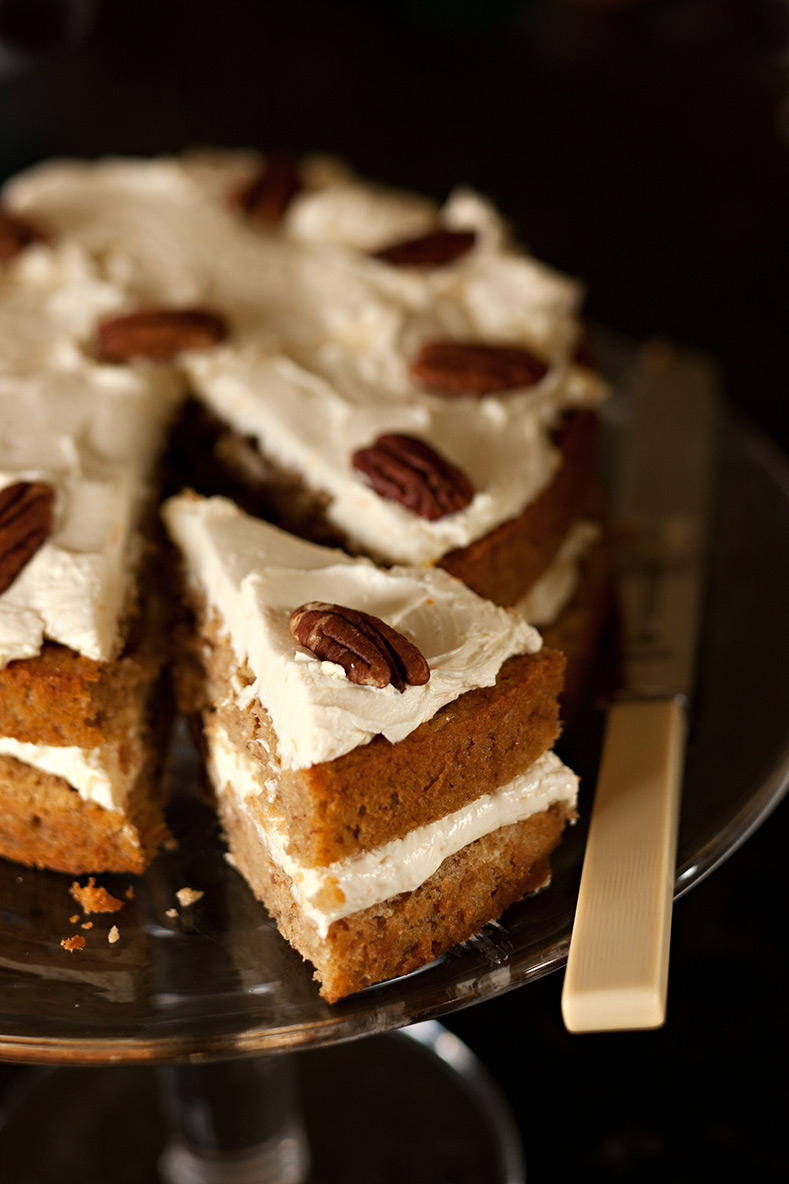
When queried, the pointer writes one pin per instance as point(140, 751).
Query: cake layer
point(469, 889)
point(251, 577)
point(62, 698)
point(505, 564)
point(367, 878)
point(44, 822)
point(379, 790)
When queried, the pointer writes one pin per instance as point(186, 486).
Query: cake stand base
point(412, 1105)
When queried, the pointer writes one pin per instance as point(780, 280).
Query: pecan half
point(406, 470)
point(158, 334)
point(431, 250)
point(467, 368)
point(16, 234)
point(267, 196)
point(371, 653)
point(25, 523)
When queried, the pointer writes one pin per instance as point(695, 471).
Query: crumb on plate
point(95, 899)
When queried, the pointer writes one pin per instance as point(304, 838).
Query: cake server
point(617, 968)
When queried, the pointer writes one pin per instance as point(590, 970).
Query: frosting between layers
point(97, 774)
point(347, 886)
point(321, 333)
point(555, 588)
point(252, 576)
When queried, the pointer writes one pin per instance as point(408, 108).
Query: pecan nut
point(469, 368)
point(371, 653)
point(406, 470)
point(26, 513)
point(267, 196)
point(431, 250)
point(158, 334)
point(15, 234)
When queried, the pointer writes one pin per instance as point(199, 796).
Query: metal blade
point(661, 508)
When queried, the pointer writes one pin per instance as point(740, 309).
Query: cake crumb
point(187, 896)
point(170, 844)
point(171, 913)
point(113, 935)
point(73, 920)
point(86, 925)
point(95, 899)
point(77, 942)
point(129, 894)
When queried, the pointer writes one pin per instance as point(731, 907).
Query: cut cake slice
point(80, 652)
point(380, 826)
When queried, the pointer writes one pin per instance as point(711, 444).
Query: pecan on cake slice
point(471, 368)
point(266, 197)
point(15, 234)
point(25, 524)
point(429, 250)
point(404, 469)
point(371, 653)
point(158, 334)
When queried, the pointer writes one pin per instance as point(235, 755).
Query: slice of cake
point(80, 648)
point(378, 742)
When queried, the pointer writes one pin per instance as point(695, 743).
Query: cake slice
point(80, 646)
point(380, 818)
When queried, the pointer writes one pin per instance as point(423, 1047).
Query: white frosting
point(325, 894)
point(253, 576)
point(97, 774)
point(92, 436)
point(317, 361)
point(555, 588)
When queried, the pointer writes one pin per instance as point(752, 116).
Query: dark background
point(642, 146)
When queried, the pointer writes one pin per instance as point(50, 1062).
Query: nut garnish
point(406, 470)
point(158, 334)
point(468, 368)
point(371, 653)
point(430, 250)
point(15, 234)
point(267, 196)
point(25, 524)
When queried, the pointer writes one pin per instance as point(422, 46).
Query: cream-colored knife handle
point(617, 969)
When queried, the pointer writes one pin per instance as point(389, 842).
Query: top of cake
point(329, 319)
point(91, 443)
point(252, 576)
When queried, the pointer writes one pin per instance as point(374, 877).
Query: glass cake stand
point(206, 1007)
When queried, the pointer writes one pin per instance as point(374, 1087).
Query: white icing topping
point(325, 894)
point(555, 588)
point(253, 576)
point(97, 774)
point(317, 361)
point(93, 436)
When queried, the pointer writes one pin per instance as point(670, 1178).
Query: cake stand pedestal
point(410, 1105)
point(211, 999)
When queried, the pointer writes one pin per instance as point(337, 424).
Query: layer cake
point(379, 824)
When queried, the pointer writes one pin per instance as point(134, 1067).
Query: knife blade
point(617, 968)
